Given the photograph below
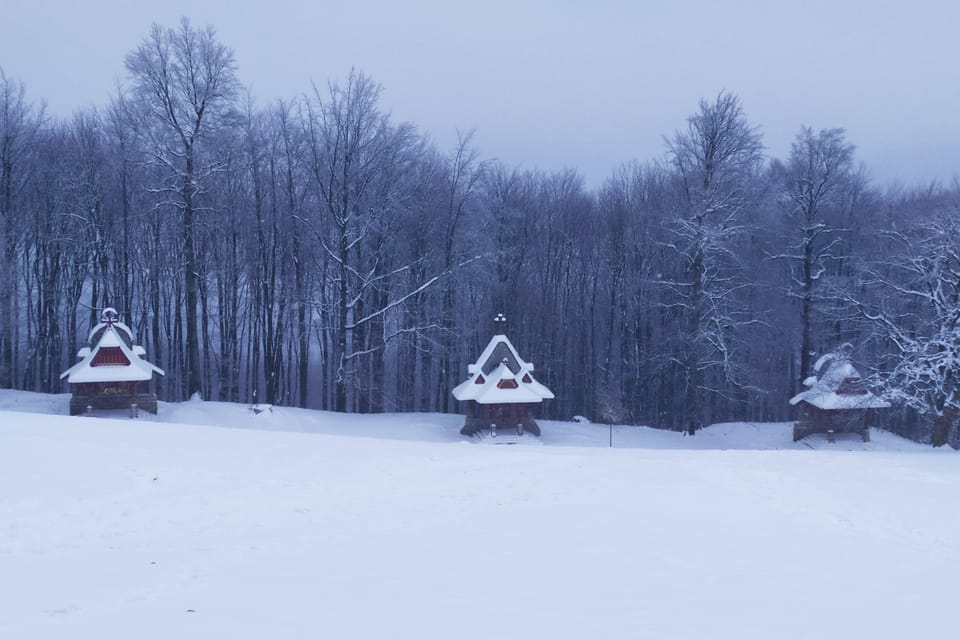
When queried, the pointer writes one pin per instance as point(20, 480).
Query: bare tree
point(462, 180)
point(186, 80)
point(19, 126)
point(359, 160)
point(715, 164)
point(290, 165)
point(819, 168)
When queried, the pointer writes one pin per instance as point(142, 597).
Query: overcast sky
point(550, 84)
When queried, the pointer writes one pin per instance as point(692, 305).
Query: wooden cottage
point(111, 373)
point(500, 391)
point(837, 400)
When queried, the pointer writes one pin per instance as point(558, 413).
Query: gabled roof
point(110, 338)
point(122, 330)
point(837, 385)
point(500, 376)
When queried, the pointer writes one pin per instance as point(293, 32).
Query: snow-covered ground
point(209, 521)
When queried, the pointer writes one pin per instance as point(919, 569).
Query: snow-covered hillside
point(293, 524)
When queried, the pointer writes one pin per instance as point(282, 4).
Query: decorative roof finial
point(499, 323)
point(109, 315)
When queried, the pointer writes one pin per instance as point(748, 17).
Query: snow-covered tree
point(919, 314)
point(185, 80)
point(715, 164)
point(818, 169)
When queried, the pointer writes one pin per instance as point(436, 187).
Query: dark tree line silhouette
point(312, 251)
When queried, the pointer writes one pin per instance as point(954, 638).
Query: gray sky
point(588, 84)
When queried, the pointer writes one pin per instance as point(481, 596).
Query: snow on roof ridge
point(138, 369)
point(827, 389)
point(503, 372)
point(488, 392)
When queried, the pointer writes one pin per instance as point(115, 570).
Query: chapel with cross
point(500, 391)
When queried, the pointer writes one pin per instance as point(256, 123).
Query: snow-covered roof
point(500, 376)
point(830, 400)
point(837, 385)
point(137, 370)
point(119, 326)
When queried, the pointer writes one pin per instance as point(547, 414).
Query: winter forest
point(312, 251)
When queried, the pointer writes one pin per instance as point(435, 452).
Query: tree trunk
point(7, 269)
point(340, 392)
point(303, 327)
point(190, 282)
point(806, 308)
point(694, 375)
point(941, 426)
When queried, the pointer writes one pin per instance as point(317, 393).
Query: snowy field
point(211, 522)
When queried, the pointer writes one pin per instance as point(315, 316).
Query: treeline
point(314, 252)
